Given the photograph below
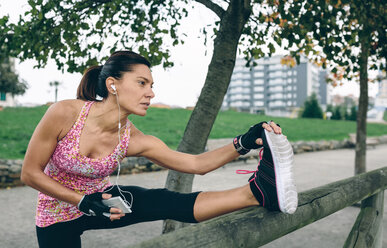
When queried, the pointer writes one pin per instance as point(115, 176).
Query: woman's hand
point(92, 205)
point(252, 138)
point(270, 126)
point(115, 213)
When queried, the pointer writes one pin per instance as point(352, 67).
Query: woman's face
point(135, 90)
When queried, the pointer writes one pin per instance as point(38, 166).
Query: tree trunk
point(361, 129)
point(56, 93)
point(210, 100)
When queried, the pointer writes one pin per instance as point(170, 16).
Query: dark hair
point(94, 78)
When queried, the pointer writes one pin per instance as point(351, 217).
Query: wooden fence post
point(255, 226)
point(367, 231)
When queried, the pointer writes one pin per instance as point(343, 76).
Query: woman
point(79, 143)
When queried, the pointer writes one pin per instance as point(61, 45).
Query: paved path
point(17, 205)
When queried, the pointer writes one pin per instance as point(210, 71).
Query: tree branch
point(212, 6)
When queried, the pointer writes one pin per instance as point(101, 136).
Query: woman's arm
point(156, 150)
point(43, 142)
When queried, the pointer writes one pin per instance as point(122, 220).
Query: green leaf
point(4, 20)
point(85, 26)
point(32, 3)
point(99, 25)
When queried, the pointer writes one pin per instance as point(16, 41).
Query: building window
point(258, 81)
point(2, 96)
point(258, 104)
point(258, 88)
point(276, 89)
point(258, 74)
point(237, 83)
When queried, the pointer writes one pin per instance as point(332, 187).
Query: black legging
point(148, 205)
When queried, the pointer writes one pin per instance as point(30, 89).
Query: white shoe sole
point(282, 154)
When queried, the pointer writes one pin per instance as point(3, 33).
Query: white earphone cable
point(118, 160)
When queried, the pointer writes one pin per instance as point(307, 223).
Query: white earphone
point(114, 88)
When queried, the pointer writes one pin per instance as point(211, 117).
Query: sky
point(178, 86)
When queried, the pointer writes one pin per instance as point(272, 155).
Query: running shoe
point(272, 183)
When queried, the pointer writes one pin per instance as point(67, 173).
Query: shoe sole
point(282, 154)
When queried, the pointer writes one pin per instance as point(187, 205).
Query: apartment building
point(274, 88)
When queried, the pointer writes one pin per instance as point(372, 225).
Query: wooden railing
point(261, 226)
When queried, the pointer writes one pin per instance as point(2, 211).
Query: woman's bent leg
point(148, 205)
point(60, 235)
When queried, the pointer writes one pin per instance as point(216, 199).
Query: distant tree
point(336, 114)
point(330, 108)
point(353, 114)
point(55, 85)
point(345, 113)
point(329, 111)
point(9, 79)
point(312, 108)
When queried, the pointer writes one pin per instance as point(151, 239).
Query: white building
point(277, 89)
point(7, 100)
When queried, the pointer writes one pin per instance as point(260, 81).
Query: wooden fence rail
point(253, 227)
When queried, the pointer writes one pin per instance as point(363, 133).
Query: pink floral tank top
point(77, 172)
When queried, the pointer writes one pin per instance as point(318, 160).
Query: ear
point(109, 82)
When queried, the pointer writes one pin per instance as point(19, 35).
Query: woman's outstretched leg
point(214, 203)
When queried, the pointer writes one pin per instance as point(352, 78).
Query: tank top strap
point(125, 140)
point(126, 137)
point(83, 115)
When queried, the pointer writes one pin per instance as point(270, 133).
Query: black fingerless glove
point(245, 142)
point(92, 205)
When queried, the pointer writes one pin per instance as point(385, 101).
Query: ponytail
point(93, 82)
point(88, 88)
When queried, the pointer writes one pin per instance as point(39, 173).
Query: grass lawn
point(17, 125)
point(16, 128)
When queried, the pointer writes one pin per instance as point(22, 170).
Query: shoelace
point(251, 171)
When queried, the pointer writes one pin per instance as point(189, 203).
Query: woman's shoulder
point(134, 131)
point(63, 115)
point(66, 108)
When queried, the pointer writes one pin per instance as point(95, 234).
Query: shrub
point(312, 108)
